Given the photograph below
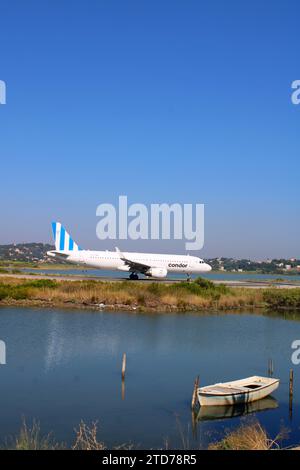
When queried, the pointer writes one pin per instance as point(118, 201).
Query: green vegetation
point(41, 283)
point(274, 266)
point(23, 291)
point(13, 292)
point(282, 298)
point(197, 295)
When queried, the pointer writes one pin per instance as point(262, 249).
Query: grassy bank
point(248, 436)
point(198, 295)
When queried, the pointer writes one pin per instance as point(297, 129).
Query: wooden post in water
point(291, 382)
point(291, 392)
point(123, 390)
point(194, 423)
point(123, 375)
point(270, 368)
point(194, 397)
point(123, 366)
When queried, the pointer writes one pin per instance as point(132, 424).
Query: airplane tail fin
point(62, 240)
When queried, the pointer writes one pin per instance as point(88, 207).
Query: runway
point(261, 284)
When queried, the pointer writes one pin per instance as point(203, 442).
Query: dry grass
point(86, 438)
point(247, 437)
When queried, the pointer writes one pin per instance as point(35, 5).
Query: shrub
point(42, 283)
point(282, 298)
point(204, 283)
point(13, 292)
point(201, 287)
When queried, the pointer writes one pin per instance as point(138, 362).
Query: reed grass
point(31, 438)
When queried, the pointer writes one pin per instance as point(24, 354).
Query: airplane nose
point(208, 267)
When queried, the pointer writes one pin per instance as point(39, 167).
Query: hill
point(30, 252)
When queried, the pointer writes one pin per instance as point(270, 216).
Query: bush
point(202, 288)
point(204, 283)
point(282, 298)
point(13, 292)
point(42, 283)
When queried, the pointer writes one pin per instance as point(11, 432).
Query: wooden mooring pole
point(291, 392)
point(194, 423)
point(194, 396)
point(123, 366)
point(123, 376)
point(123, 390)
point(270, 368)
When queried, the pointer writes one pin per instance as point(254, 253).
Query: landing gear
point(133, 277)
point(189, 278)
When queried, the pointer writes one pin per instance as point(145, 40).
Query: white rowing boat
point(237, 392)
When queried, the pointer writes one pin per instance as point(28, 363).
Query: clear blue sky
point(165, 101)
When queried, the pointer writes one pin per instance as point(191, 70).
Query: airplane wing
point(133, 265)
point(58, 253)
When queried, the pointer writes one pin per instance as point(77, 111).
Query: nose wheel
point(133, 277)
point(189, 278)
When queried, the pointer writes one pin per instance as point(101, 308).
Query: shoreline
point(130, 308)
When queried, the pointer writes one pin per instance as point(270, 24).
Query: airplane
point(149, 264)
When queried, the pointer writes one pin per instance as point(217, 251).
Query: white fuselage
point(112, 260)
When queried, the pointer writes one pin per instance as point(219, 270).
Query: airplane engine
point(157, 272)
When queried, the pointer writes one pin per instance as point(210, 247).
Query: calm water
point(64, 366)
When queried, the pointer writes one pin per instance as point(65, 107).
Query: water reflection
point(64, 366)
point(207, 413)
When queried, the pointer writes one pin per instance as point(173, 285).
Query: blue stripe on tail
point(62, 239)
point(54, 231)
